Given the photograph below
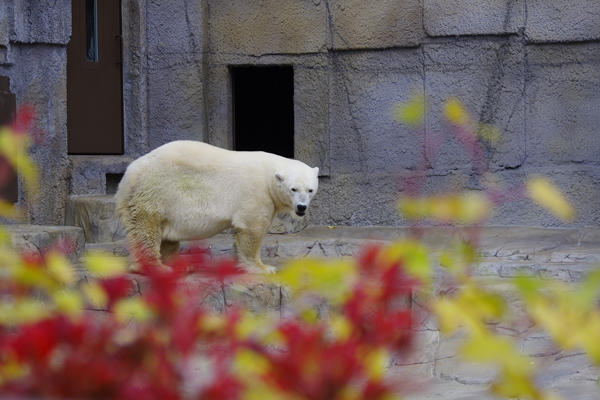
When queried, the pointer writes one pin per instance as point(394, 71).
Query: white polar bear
point(190, 190)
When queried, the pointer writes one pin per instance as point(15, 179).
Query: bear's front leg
point(247, 245)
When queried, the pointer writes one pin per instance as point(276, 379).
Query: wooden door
point(94, 78)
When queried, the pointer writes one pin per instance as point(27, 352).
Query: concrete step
point(35, 239)
point(97, 216)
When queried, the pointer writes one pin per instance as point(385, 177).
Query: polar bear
point(187, 190)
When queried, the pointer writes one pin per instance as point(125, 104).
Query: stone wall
point(529, 67)
point(33, 54)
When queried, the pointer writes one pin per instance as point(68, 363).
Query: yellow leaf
point(10, 210)
point(259, 327)
point(488, 348)
point(412, 112)
point(212, 323)
point(587, 292)
point(13, 147)
point(414, 256)
point(105, 266)
point(489, 133)
point(331, 279)
point(458, 257)
point(545, 194)
point(466, 208)
point(134, 308)
point(375, 363)
point(455, 112)
point(473, 207)
point(61, 268)
point(249, 362)
point(31, 276)
point(11, 370)
point(69, 303)
point(96, 295)
point(341, 327)
point(22, 311)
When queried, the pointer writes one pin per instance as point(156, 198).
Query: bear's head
point(296, 187)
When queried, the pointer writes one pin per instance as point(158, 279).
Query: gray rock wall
point(529, 67)
point(524, 66)
point(33, 38)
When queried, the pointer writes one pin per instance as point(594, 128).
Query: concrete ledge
point(36, 239)
point(505, 251)
point(88, 173)
point(97, 216)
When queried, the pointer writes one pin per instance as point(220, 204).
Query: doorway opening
point(263, 109)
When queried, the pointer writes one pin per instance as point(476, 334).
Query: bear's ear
point(278, 177)
point(316, 169)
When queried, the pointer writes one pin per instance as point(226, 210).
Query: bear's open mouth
point(300, 214)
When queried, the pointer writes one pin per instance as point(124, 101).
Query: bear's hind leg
point(247, 246)
point(144, 249)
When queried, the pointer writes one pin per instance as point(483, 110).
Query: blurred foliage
point(346, 319)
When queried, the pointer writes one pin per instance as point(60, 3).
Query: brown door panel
point(94, 79)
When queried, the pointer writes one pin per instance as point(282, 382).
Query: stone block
point(486, 76)
point(356, 24)
point(176, 27)
point(563, 94)
point(578, 185)
point(175, 98)
point(41, 82)
point(473, 17)
point(88, 173)
point(208, 290)
point(311, 117)
point(36, 239)
point(256, 298)
point(562, 20)
point(289, 247)
point(220, 245)
point(267, 27)
point(368, 148)
point(424, 349)
point(97, 216)
point(449, 366)
point(42, 21)
point(6, 18)
point(117, 249)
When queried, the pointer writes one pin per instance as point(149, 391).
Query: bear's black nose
point(301, 207)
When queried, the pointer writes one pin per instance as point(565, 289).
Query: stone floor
point(557, 254)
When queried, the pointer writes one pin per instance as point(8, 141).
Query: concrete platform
point(505, 252)
point(435, 371)
point(35, 239)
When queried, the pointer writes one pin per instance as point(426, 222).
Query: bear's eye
point(294, 190)
point(310, 190)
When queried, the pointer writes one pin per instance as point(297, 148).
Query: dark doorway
point(263, 109)
point(94, 78)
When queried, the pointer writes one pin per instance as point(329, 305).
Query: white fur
point(190, 190)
